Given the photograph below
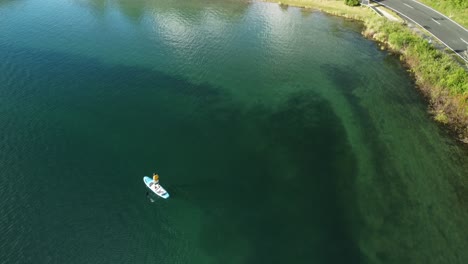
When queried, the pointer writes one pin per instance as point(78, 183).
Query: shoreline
point(442, 81)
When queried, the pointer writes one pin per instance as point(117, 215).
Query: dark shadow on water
point(90, 131)
point(387, 195)
point(286, 195)
point(348, 81)
point(275, 185)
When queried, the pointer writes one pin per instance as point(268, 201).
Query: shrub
point(352, 2)
point(441, 117)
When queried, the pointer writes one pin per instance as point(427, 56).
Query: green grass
point(455, 9)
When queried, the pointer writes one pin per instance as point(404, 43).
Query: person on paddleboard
point(155, 178)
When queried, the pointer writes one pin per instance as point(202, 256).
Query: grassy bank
point(455, 9)
point(443, 81)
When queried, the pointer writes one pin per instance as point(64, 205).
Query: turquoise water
point(281, 134)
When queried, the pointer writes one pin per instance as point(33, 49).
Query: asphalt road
point(447, 31)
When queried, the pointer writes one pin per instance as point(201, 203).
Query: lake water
point(282, 135)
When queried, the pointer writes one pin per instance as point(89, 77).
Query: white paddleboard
point(156, 188)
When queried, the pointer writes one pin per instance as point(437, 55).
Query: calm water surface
point(282, 135)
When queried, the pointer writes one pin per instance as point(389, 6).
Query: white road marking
point(435, 21)
point(441, 14)
point(408, 6)
point(464, 41)
point(409, 18)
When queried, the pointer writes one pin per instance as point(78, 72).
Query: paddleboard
point(156, 188)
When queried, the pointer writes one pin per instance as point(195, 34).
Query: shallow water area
point(281, 134)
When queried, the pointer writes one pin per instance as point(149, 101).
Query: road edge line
point(459, 55)
point(441, 14)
